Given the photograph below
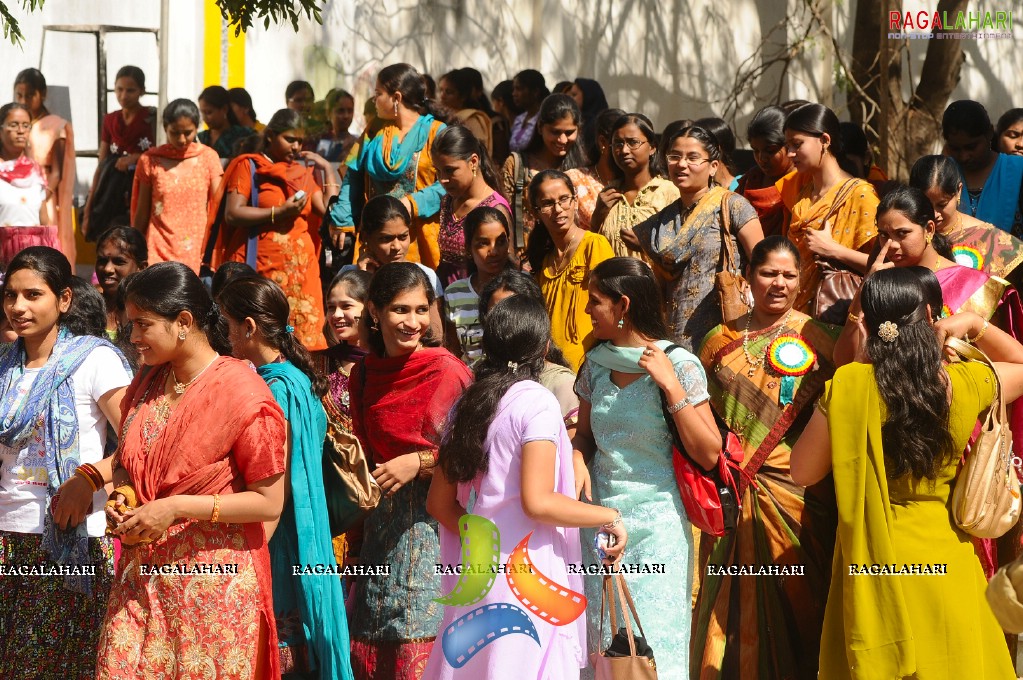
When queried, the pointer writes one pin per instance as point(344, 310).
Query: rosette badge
point(789, 357)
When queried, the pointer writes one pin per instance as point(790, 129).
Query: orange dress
point(288, 251)
point(182, 182)
point(45, 134)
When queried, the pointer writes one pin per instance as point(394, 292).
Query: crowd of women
point(514, 308)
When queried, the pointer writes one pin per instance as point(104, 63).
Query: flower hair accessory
point(888, 331)
point(513, 366)
point(289, 328)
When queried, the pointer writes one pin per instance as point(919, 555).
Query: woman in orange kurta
point(51, 144)
point(288, 243)
point(173, 186)
point(202, 454)
point(832, 211)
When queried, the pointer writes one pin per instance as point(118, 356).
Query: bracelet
point(331, 184)
point(427, 460)
point(216, 508)
point(678, 406)
point(88, 478)
point(94, 473)
point(272, 208)
point(617, 520)
point(855, 318)
point(983, 330)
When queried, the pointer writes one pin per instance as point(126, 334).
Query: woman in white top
point(58, 392)
point(23, 189)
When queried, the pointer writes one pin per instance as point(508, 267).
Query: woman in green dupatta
point(765, 371)
point(907, 590)
point(309, 609)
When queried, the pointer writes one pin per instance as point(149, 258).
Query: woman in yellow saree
point(907, 590)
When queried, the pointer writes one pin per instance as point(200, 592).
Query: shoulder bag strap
point(518, 202)
point(727, 260)
point(973, 353)
point(843, 193)
point(253, 243)
point(624, 596)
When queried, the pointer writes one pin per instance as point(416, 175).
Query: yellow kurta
point(930, 627)
point(565, 293)
point(654, 197)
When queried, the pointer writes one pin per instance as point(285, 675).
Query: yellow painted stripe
point(211, 45)
point(235, 59)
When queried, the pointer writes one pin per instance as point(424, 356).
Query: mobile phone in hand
point(299, 195)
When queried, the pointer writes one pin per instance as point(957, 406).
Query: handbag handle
point(608, 597)
point(727, 259)
point(973, 353)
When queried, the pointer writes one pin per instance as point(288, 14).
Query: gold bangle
point(272, 208)
point(983, 330)
point(332, 184)
point(83, 473)
point(427, 460)
point(855, 318)
point(216, 508)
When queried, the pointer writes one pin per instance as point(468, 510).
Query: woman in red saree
point(287, 225)
point(759, 186)
point(401, 394)
point(202, 446)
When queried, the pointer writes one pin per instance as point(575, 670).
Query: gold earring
point(928, 239)
point(182, 334)
point(395, 109)
point(474, 172)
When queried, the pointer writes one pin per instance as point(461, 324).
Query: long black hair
point(631, 277)
point(456, 141)
point(88, 312)
point(169, 288)
point(390, 281)
point(516, 333)
point(181, 108)
point(380, 210)
point(918, 209)
point(656, 162)
point(216, 96)
point(968, 117)
point(540, 242)
point(554, 108)
point(933, 295)
point(768, 124)
point(282, 121)
point(908, 371)
point(522, 284)
point(600, 126)
point(936, 171)
point(51, 265)
point(412, 85)
point(34, 81)
point(724, 136)
point(267, 305)
point(817, 120)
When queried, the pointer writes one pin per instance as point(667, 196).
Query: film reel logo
point(545, 599)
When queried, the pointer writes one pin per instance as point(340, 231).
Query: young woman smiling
point(120, 253)
point(640, 190)
point(402, 394)
point(173, 186)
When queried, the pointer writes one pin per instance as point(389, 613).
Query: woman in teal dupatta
point(396, 161)
point(308, 607)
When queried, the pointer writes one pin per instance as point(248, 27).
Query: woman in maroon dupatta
point(202, 442)
point(402, 393)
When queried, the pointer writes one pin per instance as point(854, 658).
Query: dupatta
point(170, 152)
point(878, 638)
point(303, 530)
point(385, 157)
point(45, 422)
point(401, 404)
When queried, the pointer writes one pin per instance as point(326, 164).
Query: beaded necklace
point(758, 361)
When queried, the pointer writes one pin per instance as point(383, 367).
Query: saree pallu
point(42, 139)
point(654, 197)
point(287, 252)
point(851, 222)
point(225, 433)
point(766, 200)
point(767, 627)
point(987, 248)
point(48, 632)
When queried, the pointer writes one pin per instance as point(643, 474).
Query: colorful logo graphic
point(481, 550)
point(968, 256)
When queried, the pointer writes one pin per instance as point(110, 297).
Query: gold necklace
point(756, 362)
point(180, 387)
point(561, 263)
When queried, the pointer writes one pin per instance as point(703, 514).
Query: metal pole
point(101, 72)
point(164, 43)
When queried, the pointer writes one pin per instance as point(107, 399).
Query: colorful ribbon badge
point(790, 357)
point(968, 257)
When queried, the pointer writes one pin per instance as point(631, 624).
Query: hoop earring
point(374, 325)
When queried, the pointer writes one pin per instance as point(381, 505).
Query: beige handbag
point(733, 291)
point(628, 657)
point(986, 499)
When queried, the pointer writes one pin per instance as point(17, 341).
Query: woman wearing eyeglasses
point(684, 241)
point(285, 253)
point(640, 189)
point(23, 190)
point(562, 255)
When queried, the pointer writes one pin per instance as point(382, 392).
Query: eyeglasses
point(633, 144)
point(548, 206)
point(18, 126)
point(692, 161)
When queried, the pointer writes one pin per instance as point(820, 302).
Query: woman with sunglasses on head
point(289, 202)
point(684, 241)
point(561, 255)
point(640, 189)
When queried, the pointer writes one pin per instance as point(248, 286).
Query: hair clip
point(289, 328)
point(888, 331)
point(513, 366)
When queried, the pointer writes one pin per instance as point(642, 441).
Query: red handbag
point(710, 497)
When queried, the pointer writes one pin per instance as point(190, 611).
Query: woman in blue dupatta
point(58, 391)
point(396, 161)
point(308, 607)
